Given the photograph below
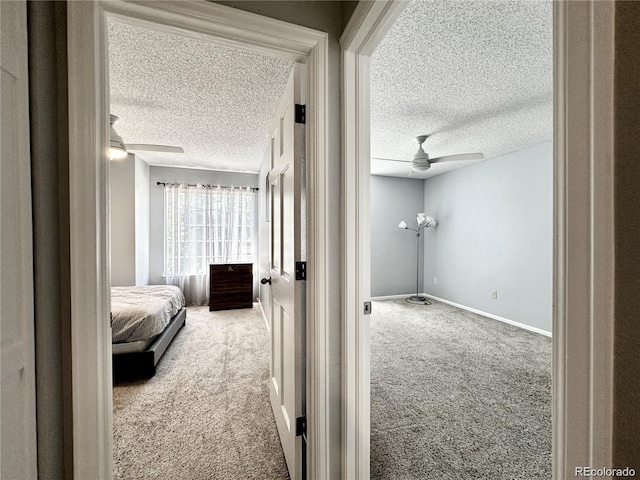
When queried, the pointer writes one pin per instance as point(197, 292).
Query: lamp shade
point(431, 222)
point(420, 219)
point(402, 224)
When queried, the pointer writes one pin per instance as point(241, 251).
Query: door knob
point(266, 280)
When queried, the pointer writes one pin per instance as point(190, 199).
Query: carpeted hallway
point(206, 413)
point(455, 395)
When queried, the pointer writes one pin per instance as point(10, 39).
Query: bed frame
point(136, 365)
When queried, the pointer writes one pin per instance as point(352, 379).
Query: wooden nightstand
point(231, 286)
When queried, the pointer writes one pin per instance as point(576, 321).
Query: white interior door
point(287, 247)
point(17, 387)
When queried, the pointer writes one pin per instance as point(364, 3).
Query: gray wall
point(627, 237)
point(129, 221)
point(393, 251)
point(495, 232)
point(122, 219)
point(141, 201)
point(156, 207)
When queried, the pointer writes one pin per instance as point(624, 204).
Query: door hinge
point(301, 426)
point(301, 270)
point(301, 114)
point(367, 308)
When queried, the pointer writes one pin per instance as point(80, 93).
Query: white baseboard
point(264, 316)
point(473, 310)
point(392, 297)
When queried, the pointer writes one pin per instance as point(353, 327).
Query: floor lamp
point(423, 222)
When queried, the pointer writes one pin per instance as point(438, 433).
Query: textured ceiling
point(215, 102)
point(476, 75)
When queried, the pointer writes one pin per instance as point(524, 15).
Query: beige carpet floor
point(458, 396)
point(453, 396)
point(205, 414)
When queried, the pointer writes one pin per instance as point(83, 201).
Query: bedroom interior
point(184, 216)
point(461, 383)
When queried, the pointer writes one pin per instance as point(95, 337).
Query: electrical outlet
point(435, 280)
point(494, 294)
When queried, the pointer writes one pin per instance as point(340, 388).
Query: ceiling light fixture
point(420, 161)
point(117, 150)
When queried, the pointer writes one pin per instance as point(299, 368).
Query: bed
point(144, 321)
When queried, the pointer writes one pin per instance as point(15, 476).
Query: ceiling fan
point(421, 161)
point(119, 149)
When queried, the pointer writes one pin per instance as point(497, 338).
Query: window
point(206, 225)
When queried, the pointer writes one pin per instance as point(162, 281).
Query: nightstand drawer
point(231, 269)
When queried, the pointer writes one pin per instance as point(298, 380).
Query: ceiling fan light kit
point(119, 150)
point(421, 161)
point(423, 221)
point(420, 166)
point(117, 153)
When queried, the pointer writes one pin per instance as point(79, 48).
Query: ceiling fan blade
point(390, 160)
point(143, 147)
point(462, 156)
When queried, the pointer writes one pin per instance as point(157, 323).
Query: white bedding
point(139, 313)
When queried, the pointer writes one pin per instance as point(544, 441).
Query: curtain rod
point(206, 185)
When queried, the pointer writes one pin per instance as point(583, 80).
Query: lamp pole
point(418, 267)
point(423, 222)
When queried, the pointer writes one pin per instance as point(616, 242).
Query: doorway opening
point(195, 118)
point(89, 112)
point(577, 434)
point(469, 369)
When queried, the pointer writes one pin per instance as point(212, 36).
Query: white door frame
point(583, 232)
point(88, 185)
point(366, 28)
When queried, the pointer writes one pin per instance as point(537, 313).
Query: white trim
point(88, 113)
point(222, 25)
point(524, 326)
point(393, 297)
point(264, 315)
point(319, 358)
point(584, 244)
point(88, 236)
point(367, 26)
